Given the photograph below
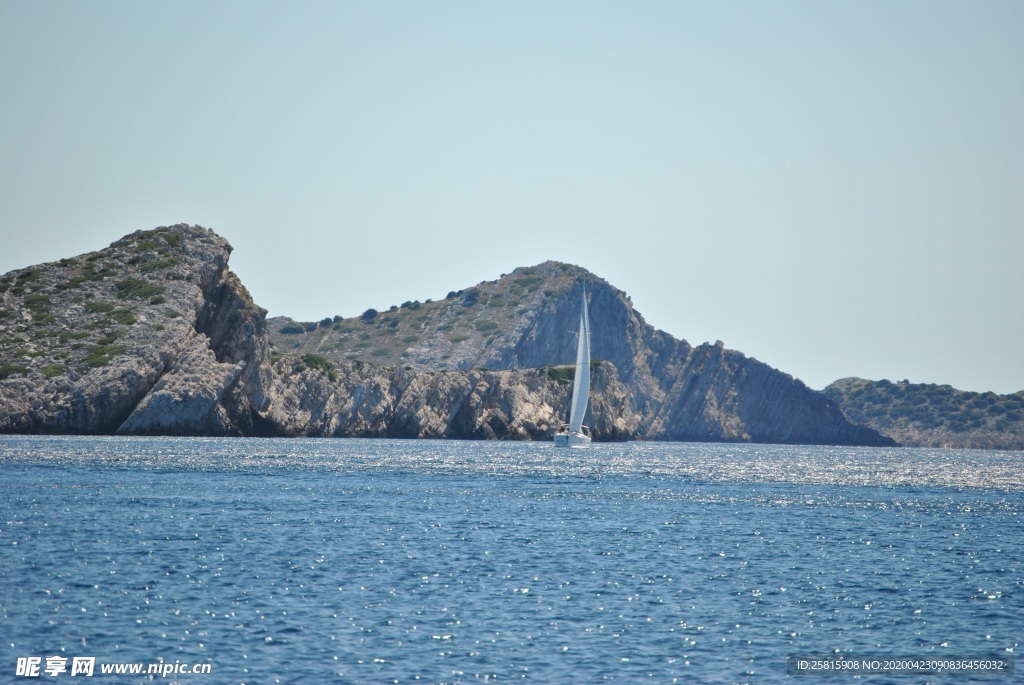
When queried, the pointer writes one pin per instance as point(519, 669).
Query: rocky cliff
point(524, 320)
point(154, 335)
point(151, 335)
point(365, 400)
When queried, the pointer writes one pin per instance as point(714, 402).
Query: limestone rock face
point(526, 319)
point(155, 336)
point(374, 401)
point(189, 398)
point(152, 335)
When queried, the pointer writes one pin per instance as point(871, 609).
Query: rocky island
point(154, 335)
point(930, 415)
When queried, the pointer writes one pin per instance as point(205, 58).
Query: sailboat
point(574, 433)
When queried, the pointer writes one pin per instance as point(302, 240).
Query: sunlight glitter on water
point(694, 461)
point(299, 560)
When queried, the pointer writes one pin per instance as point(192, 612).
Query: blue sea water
point(378, 561)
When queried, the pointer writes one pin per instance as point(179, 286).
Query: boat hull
point(571, 440)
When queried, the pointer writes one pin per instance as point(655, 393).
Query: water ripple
point(416, 561)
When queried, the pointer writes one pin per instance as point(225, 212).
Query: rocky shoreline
point(154, 335)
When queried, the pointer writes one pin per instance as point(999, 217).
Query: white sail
point(574, 433)
point(581, 386)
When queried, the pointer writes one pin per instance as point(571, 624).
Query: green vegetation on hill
point(320, 363)
point(65, 316)
point(445, 333)
point(932, 415)
point(561, 374)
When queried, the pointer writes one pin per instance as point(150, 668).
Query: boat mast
point(581, 386)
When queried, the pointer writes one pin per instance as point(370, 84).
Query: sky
point(833, 188)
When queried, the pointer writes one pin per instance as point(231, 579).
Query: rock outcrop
point(524, 320)
point(373, 401)
point(155, 336)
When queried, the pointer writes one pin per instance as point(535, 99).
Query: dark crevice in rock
point(229, 319)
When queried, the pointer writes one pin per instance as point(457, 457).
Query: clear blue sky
point(835, 188)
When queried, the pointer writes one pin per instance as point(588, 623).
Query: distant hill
point(928, 415)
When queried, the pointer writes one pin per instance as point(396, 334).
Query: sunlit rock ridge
point(154, 335)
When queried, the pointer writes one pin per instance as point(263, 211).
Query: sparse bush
point(529, 281)
point(134, 287)
point(369, 315)
point(102, 354)
point(99, 307)
point(72, 283)
point(53, 370)
point(123, 316)
point(291, 329)
point(39, 305)
point(159, 264)
point(562, 375)
point(320, 363)
point(110, 337)
point(8, 370)
point(36, 301)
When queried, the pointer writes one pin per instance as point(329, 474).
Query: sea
point(185, 560)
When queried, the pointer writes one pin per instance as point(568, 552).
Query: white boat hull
point(571, 440)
